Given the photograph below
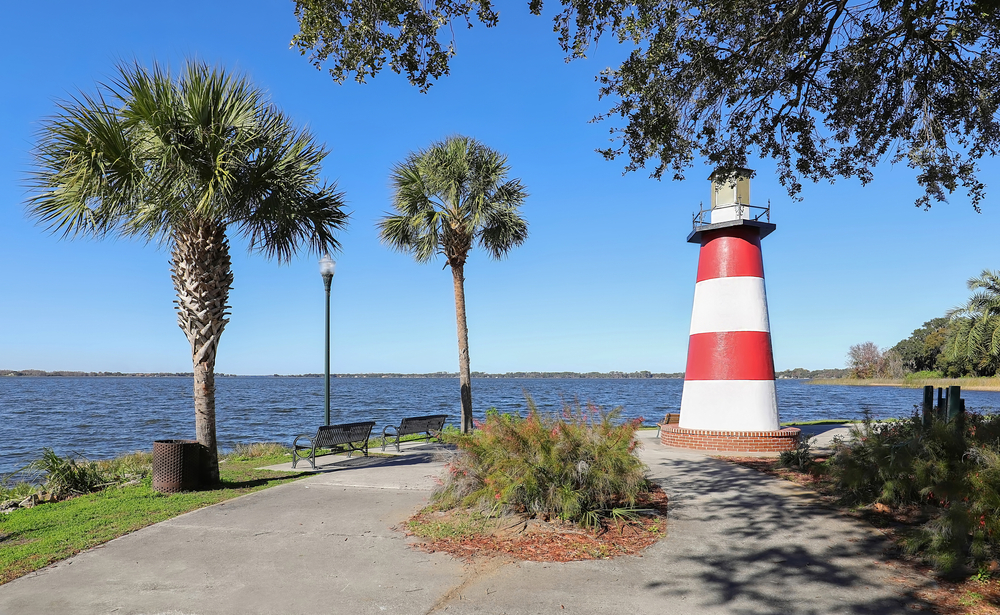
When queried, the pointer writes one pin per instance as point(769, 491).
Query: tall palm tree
point(975, 334)
point(178, 162)
point(447, 198)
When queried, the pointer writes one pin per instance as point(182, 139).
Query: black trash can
point(176, 465)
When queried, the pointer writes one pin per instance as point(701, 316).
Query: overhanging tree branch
point(825, 87)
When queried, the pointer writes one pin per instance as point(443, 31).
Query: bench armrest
point(296, 445)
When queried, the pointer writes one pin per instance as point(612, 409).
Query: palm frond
point(205, 145)
point(505, 229)
point(975, 326)
point(279, 224)
point(85, 178)
point(414, 235)
point(450, 195)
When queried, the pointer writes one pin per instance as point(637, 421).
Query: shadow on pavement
point(818, 430)
point(768, 549)
point(429, 453)
point(257, 482)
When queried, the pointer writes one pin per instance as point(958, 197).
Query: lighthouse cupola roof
point(730, 205)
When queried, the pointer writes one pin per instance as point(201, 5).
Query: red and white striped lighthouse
point(729, 401)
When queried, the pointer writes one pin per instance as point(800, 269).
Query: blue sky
point(604, 282)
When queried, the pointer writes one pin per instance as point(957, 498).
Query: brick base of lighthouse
point(731, 441)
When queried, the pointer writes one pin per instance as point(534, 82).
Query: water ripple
point(101, 417)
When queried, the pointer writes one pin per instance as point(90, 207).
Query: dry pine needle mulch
point(537, 540)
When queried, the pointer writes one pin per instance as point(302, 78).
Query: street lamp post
point(326, 268)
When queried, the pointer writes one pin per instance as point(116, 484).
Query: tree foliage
point(827, 88)
point(923, 349)
point(976, 325)
point(449, 197)
point(866, 360)
point(150, 152)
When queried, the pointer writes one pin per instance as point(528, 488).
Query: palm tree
point(975, 334)
point(178, 162)
point(447, 198)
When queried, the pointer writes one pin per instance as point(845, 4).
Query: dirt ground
point(544, 540)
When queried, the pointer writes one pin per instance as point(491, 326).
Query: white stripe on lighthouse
point(729, 304)
point(737, 405)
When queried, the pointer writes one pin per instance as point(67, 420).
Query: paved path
point(738, 542)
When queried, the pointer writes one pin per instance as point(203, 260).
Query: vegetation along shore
point(961, 347)
point(37, 373)
point(968, 383)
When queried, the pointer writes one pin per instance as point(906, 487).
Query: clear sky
point(604, 282)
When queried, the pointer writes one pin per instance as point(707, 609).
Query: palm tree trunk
point(202, 278)
point(464, 373)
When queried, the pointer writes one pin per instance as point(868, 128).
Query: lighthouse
point(729, 402)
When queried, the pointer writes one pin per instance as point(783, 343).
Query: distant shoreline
point(969, 384)
point(642, 375)
point(796, 374)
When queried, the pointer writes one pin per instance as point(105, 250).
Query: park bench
point(669, 419)
point(431, 425)
point(349, 436)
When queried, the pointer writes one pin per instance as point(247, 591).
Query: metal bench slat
point(332, 436)
point(413, 425)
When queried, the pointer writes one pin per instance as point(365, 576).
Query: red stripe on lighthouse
point(735, 253)
point(730, 355)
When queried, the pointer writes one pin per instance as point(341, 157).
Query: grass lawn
point(32, 538)
point(968, 383)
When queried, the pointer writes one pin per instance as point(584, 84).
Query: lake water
point(101, 417)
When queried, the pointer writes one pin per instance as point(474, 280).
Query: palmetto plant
point(975, 333)
point(179, 162)
point(447, 198)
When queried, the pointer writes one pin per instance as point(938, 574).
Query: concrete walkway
point(738, 542)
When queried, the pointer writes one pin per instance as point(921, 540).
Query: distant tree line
point(963, 342)
point(614, 375)
point(802, 373)
point(639, 374)
point(610, 375)
point(71, 374)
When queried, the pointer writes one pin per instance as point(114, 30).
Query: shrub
point(949, 468)
point(799, 457)
point(65, 476)
point(926, 374)
point(578, 466)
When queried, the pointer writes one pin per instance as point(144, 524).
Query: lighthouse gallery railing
point(746, 212)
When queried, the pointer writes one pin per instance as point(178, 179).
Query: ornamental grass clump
point(579, 466)
point(949, 471)
point(65, 476)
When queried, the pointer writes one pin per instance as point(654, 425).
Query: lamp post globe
point(327, 266)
